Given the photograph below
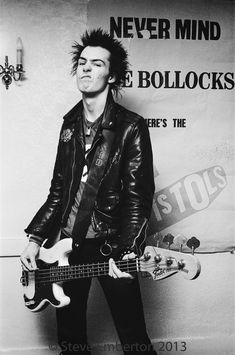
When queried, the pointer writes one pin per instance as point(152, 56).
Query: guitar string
point(84, 269)
point(119, 263)
point(51, 280)
point(57, 279)
point(95, 272)
point(88, 274)
point(80, 267)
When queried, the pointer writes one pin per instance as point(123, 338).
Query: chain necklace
point(88, 125)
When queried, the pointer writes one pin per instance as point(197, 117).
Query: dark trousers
point(123, 297)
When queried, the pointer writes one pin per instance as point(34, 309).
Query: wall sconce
point(9, 71)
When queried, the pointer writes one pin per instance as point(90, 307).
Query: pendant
point(88, 131)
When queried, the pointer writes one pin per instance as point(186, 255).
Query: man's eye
point(81, 63)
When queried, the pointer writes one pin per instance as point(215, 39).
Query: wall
point(199, 312)
point(33, 109)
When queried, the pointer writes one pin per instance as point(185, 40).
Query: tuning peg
point(157, 238)
point(147, 256)
point(193, 243)
point(169, 261)
point(157, 258)
point(179, 241)
point(181, 264)
point(168, 239)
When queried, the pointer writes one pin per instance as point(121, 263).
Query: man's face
point(93, 72)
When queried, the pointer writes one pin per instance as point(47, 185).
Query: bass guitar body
point(37, 293)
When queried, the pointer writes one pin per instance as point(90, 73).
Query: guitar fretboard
point(66, 273)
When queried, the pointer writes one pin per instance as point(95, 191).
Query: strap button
point(76, 245)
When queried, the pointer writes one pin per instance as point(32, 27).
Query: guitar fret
point(137, 265)
point(67, 272)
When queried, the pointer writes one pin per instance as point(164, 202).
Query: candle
point(19, 51)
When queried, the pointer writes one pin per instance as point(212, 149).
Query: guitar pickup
point(24, 278)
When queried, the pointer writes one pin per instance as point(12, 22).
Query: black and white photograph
point(117, 230)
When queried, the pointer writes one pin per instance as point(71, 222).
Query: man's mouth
point(85, 77)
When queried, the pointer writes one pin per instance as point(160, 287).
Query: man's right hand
point(28, 257)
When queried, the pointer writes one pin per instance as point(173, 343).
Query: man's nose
point(87, 67)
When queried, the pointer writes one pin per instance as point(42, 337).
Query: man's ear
point(112, 78)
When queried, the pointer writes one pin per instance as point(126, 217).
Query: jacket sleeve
point(49, 215)
point(138, 188)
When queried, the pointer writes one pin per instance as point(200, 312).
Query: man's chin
point(87, 93)
point(91, 92)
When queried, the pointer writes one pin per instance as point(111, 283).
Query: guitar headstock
point(161, 263)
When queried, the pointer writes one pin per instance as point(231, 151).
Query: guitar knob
point(147, 256)
point(168, 239)
point(157, 258)
point(193, 243)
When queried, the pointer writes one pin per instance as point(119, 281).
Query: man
point(100, 195)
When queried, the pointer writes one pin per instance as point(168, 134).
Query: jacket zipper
point(70, 187)
point(93, 146)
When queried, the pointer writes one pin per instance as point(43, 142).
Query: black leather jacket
point(124, 200)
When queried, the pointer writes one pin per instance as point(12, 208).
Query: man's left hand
point(115, 272)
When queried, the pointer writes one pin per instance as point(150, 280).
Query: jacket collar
point(74, 114)
point(109, 115)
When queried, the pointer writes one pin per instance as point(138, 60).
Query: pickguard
point(36, 293)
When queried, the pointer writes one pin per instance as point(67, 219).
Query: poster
point(181, 80)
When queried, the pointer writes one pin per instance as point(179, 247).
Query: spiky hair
point(118, 59)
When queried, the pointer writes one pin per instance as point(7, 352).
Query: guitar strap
point(95, 174)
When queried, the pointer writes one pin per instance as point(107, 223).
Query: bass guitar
point(44, 285)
